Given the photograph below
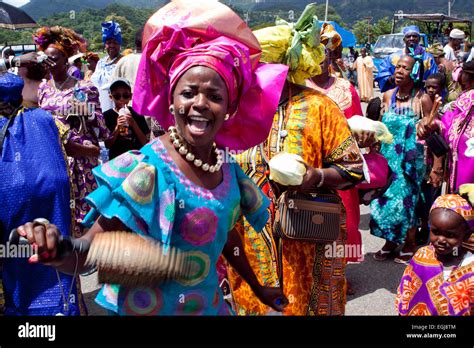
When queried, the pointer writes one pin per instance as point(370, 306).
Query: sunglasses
point(118, 96)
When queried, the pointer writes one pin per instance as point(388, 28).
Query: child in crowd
point(435, 84)
point(440, 277)
point(129, 129)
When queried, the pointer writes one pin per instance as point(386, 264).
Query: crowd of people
point(140, 142)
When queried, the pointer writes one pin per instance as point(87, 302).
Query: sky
point(17, 3)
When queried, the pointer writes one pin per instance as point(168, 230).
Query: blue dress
point(387, 68)
point(34, 183)
point(393, 214)
point(149, 194)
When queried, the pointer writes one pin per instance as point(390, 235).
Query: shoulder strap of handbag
point(275, 140)
point(3, 132)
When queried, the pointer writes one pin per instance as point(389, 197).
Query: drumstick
point(434, 109)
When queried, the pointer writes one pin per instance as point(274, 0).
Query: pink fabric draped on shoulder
point(460, 136)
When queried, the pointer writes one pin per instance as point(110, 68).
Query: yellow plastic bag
point(287, 169)
point(361, 123)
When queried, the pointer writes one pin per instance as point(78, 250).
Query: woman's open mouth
point(198, 125)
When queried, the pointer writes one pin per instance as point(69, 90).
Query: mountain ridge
point(349, 10)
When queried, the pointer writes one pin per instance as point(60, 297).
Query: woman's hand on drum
point(272, 297)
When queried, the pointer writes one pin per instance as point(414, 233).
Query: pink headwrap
point(222, 55)
point(187, 33)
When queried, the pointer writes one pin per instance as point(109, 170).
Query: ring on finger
point(41, 222)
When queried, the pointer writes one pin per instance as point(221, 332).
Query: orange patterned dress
point(312, 280)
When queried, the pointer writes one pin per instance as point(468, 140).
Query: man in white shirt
point(456, 37)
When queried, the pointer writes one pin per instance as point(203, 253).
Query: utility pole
point(326, 15)
point(368, 28)
point(450, 3)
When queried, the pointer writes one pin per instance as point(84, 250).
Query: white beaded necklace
point(179, 144)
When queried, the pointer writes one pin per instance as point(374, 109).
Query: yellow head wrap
point(294, 44)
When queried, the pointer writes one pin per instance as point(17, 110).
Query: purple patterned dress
point(458, 131)
point(83, 130)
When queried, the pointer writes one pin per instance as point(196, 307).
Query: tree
point(382, 27)
point(361, 29)
point(365, 31)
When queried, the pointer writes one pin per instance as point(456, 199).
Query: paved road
point(374, 282)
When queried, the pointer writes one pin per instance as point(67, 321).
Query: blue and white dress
point(147, 192)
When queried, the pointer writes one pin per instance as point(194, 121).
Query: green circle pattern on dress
point(140, 184)
point(143, 301)
point(200, 266)
point(235, 215)
point(193, 303)
point(123, 165)
point(166, 210)
point(251, 198)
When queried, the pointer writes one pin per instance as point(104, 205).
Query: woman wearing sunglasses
point(129, 129)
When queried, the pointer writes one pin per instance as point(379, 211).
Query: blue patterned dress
point(393, 214)
point(34, 183)
point(150, 195)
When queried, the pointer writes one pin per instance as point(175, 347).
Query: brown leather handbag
point(313, 217)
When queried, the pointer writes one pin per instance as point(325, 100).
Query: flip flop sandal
point(404, 258)
point(382, 255)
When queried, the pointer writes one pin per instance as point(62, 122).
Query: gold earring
point(172, 109)
point(227, 116)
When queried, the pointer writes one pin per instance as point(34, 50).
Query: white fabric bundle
point(287, 169)
point(361, 123)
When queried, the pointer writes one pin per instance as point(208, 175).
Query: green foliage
point(132, 16)
point(366, 32)
point(260, 18)
point(88, 24)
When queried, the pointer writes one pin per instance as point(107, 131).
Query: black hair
point(468, 68)
point(374, 108)
point(36, 72)
point(441, 78)
point(119, 84)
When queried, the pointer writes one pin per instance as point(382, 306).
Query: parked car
point(19, 49)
